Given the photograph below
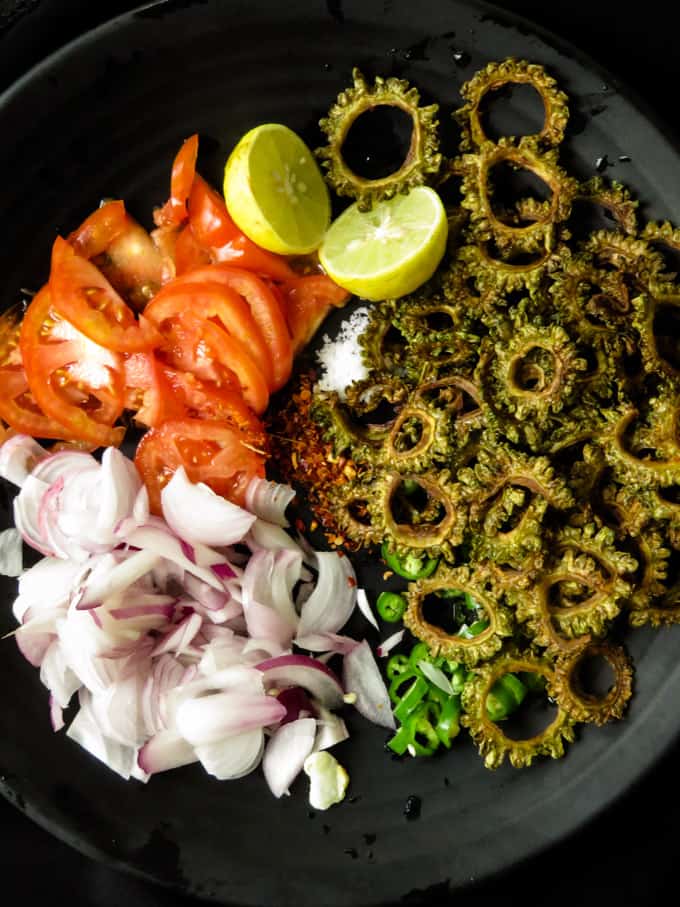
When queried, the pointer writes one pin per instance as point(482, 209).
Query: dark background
point(628, 855)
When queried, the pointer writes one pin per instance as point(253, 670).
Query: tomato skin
point(216, 453)
point(265, 308)
point(174, 211)
point(58, 361)
point(214, 230)
point(148, 392)
point(306, 302)
point(189, 253)
point(20, 411)
point(132, 264)
point(205, 400)
point(82, 295)
point(97, 232)
point(219, 303)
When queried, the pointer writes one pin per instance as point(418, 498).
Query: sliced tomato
point(174, 211)
point(214, 229)
point(217, 453)
point(132, 264)
point(219, 303)
point(205, 400)
point(97, 232)
point(18, 407)
point(148, 392)
point(165, 240)
point(307, 300)
point(83, 296)
point(74, 381)
point(264, 306)
point(189, 253)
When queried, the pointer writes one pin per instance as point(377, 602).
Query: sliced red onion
point(268, 580)
point(66, 464)
point(270, 647)
point(388, 644)
point(197, 514)
point(46, 585)
point(11, 552)
point(331, 603)
point(109, 578)
point(331, 729)
point(362, 677)
point(27, 506)
point(119, 485)
point(179, 638)
point(158, 541)
point(365, 608)
point(436, 676)
point(57, 676)
point(263, 622)
point(117, 709)
point(326, 642)
point(210, 719)
point(297, 704)
point(268, 500)
point(33, 645)
point(286, 751)
point(306, 672)
point(18, 456)
point(140, 508)
point(164, 751)
point(212, 599)
point(162, 606)
point(233, 757)
point(269, 536)
point(221, 653)
point(85, 730)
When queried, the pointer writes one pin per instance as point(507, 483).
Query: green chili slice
point(410, 566)
point(391, 606)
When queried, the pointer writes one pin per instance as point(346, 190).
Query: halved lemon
point(275, 192)
point(390, 250)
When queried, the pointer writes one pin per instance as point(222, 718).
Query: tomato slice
point(174, 211)
point(205, 400)
point(97, 232)
point(218, 303)
point(74, 381)
point(19, 409)
point(83, 296)
point(148, 392)
point(214, 229)
point(307, 300)
point(265, 309)
point(132, 264)
point(217, 453)
point(189, 253)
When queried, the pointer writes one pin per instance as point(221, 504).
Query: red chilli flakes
point(302, 456)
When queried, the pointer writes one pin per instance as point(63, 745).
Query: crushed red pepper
point(303, 457)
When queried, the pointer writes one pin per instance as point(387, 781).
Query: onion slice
point(362, 677)
point(195, 513)
point(331, 603)
point(286, 752)
point(268, 500)
point(306, 672)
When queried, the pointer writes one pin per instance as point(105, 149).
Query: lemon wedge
point(275, 192)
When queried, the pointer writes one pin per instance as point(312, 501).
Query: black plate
point(103, 118)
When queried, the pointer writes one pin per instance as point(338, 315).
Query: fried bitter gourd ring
point(579, 595)
point(478, 584)
point(624, 427)
point(493, 744)
point(477, 186)
point(614, 198)
point(422, 160)
point(566, 688)
point(511, 72)
point(529, 377)
point(494, 275)
point(509, 493)
point(419, 512)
